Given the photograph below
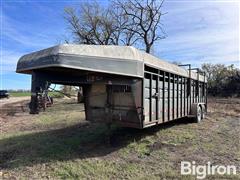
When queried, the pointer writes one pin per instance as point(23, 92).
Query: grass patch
point(66, 148)
point(19, 94)
point(179, 134)
point(62, 113)
point(139, 148)
point(29, 148)
point(55, 94)
point(99, 169)
point(47, 119)
point(24, 94)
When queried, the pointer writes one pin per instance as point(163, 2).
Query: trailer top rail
point(121, 60)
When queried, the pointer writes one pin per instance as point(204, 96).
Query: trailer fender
point(193, 111)
point(198, 111)
point(204, 110)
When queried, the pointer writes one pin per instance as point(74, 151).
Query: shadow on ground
point(78, 141)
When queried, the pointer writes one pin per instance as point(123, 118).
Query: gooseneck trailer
point(120, 83)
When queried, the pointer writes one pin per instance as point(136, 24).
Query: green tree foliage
point(222, 80)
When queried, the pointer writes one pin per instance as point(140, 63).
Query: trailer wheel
point(198, 117)
point(203, 112)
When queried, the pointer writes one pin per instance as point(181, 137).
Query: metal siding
point(154, 99)
point(179, 96)
point(147, 83)
point(169, 96)
point(175, 103)
point(98, 96)
point(157, 98)
point(150, 104)
point(160, 101)
point(154, 83)
point(200, 92)
point(177, 92)
point(154, 117)
point(166, 99)
point(186, 99)
point(146, 99)
point(192, 93)
point(163, 99)
point(173, 99)
point(146, 110)
point(123, 99)
point(189, 99)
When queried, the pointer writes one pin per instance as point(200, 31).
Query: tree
point(66, 89)
point(122, 35)
point(145, 19)
point(176, 62)
point(93, 26)
point(126, 22)
point(222, 79)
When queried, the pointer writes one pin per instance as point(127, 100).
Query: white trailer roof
point(122, 60)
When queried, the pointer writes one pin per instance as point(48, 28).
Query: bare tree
point(97, 25)
point(93, 25)
point(126, 22)
point(122, 34)
point(145, 19)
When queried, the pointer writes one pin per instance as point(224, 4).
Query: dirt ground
point(11, 100)
point(60, 144)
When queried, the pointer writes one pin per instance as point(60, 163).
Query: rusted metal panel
point(98, 96)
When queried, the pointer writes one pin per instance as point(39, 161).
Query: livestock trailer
point(120, 83)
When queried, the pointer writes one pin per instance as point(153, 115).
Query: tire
point(203, 116)
point(198, 117)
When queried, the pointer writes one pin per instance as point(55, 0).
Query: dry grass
point(59, 144)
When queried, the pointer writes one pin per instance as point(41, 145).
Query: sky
point(198, 31)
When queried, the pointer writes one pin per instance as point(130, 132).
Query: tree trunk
point(148, 48)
